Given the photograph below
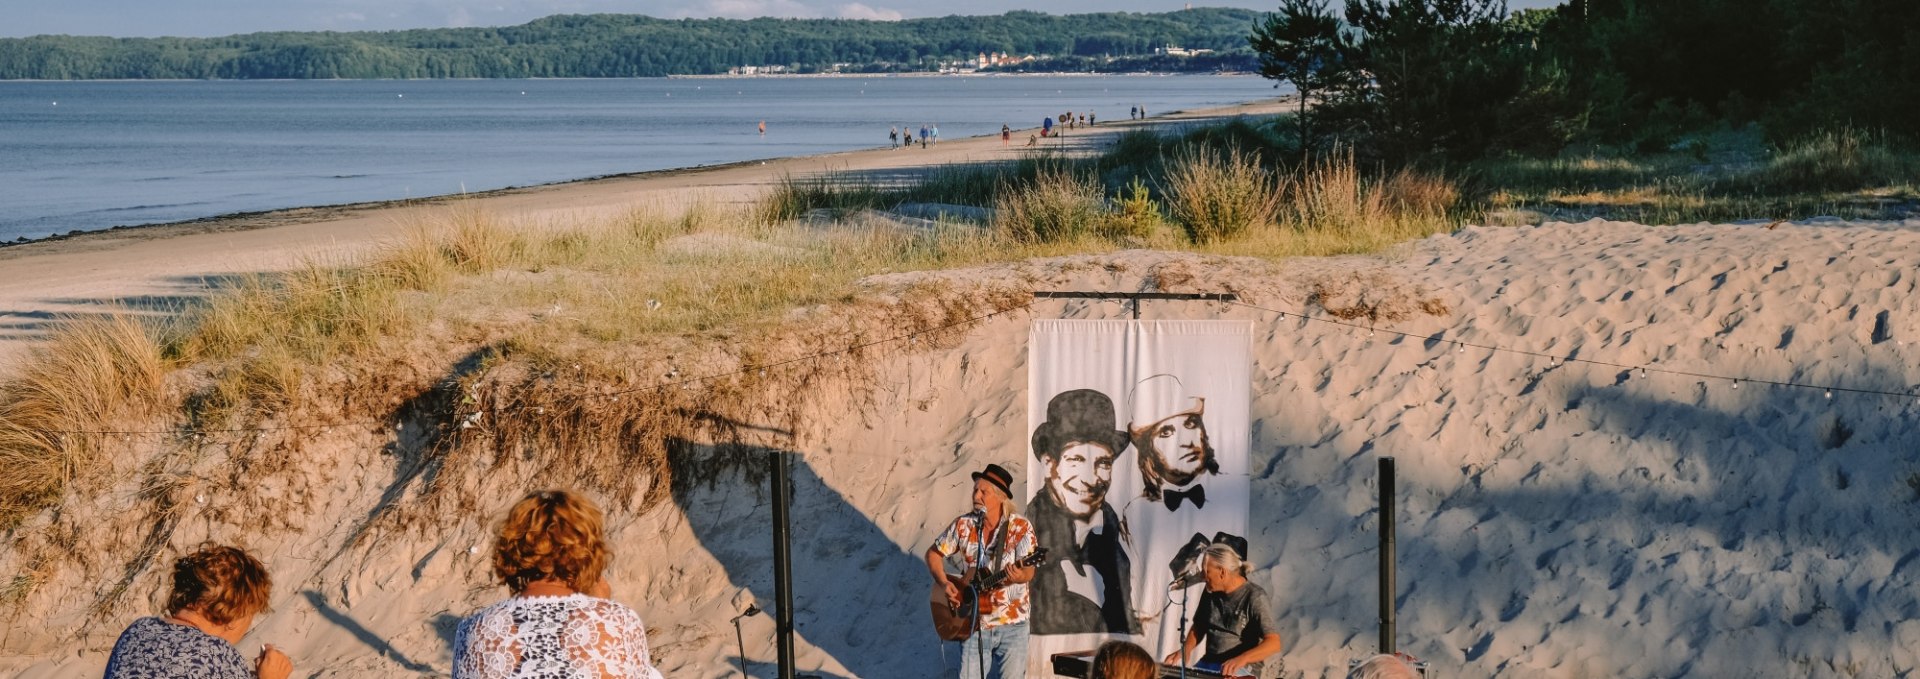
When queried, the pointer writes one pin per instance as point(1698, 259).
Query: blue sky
point(131, 18)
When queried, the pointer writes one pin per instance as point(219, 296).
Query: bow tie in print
point(1197, 495)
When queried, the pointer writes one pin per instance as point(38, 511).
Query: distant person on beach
point(217, 590)
point(1133, 113)
point(1086, 583)
point(1122, 660)
point(993, 539)
point(893, 137)
point(1006, 135)
point(1033, 140)
point(1046, 126)
point(1234, 619)
point(1384, 667)
point(1089, 119)
point(936, 133)
point(551, 552)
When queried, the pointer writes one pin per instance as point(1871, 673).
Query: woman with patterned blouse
point(559, 624)
point(217, 590)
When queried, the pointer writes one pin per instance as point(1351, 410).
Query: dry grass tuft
point(1217, 196)
point(92, 372)
point(1061, 204)
point(1330, 207)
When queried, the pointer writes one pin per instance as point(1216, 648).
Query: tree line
point(617, 45)
point(1467, 78)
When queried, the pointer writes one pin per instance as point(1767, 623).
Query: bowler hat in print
point(1080, 415)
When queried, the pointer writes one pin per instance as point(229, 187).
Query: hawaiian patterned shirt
point(1006, 604)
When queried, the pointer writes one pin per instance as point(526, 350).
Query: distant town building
point(1178, 51)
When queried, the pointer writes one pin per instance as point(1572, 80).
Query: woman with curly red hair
point(217, 590)
point(550, 553)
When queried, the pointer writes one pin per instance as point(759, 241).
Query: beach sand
point(1559, 519)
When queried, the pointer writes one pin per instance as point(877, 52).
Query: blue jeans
point(1006, 654)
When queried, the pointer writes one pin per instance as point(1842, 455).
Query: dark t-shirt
point(1234, 622)
point(152, 648)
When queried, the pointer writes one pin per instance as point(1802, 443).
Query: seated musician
point(990, 538)
point(1234, 617)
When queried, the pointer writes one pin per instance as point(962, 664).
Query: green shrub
point(1216, 195)
point(1060, 204)
point(1837, 160)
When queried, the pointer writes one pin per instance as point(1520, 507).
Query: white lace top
point(553, 637)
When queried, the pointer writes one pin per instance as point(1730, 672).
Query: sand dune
point(1557, 519)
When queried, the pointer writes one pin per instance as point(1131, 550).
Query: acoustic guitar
point(955, 623)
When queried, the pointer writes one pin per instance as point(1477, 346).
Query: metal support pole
point(782, 563)
point(1386, 555)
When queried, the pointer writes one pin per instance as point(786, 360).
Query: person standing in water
point(763, 128)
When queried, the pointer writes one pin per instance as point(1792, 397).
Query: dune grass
point(1731, 176)
point(93, 374)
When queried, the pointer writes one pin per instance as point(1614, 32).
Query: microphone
point(751, 611)
point(978, 513)
point(1185, 580)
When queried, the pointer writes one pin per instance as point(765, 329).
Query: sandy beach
point(1598, 475)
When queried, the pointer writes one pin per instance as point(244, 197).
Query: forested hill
point(622, 45)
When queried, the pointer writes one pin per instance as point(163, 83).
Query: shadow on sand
point(855, 589)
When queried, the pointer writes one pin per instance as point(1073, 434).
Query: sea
point(92, 155)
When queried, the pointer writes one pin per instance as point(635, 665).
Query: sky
point(203, 18)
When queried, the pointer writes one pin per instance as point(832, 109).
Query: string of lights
point(1460, 345)
point(1556, 359)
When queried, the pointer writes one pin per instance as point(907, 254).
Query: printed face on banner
point(1139, 455)
point(1176, 447)
point(1080, 476)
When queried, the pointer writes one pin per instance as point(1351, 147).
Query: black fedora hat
point(1078, 415)
point(998, 476)
point(1236, 543)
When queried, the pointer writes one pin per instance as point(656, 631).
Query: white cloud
point(748, 9)
point(857, 10)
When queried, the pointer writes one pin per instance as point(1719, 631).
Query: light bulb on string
point(1829, 394)
point(1736, 383)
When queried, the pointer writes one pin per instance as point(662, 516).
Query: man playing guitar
point(991, 538)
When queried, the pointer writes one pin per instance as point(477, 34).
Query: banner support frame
point(1137, 297)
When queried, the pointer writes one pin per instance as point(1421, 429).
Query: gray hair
point(1227, 558)
point(1384, 667)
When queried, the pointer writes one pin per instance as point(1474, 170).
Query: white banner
point(1139, 436)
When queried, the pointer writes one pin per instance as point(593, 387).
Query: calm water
point(92, 155)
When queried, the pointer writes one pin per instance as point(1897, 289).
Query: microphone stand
point(979, 615)
point(979, 604)
point(1184, 595)
point(741, 638)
